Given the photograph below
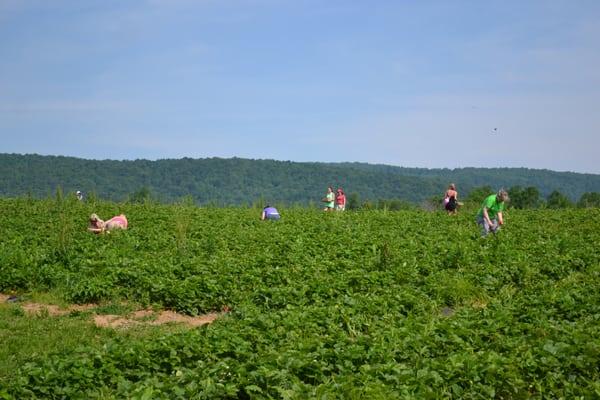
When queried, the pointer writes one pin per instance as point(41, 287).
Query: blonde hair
point(94, 217)
point(502, 195)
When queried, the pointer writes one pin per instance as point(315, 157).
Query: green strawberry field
point(366, 304)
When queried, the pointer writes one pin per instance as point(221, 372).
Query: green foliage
point(590, 199)
point(59, 194)
point(558, 200)
point(478, 194)
point(367, 304)
point(238, 181)
point(394, 205)
point(524, 198)
point(143, 195)
point(353, 201)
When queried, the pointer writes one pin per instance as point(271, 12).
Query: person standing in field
point(340, 200)
point(451, 199)
point(270, 213)
point(79, 195)
point(489, 217)
point(329, 200)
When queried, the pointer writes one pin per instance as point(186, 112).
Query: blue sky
point(410, 83)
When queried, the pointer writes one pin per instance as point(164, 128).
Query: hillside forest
point(237, 181)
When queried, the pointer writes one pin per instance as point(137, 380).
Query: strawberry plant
point(375, 304)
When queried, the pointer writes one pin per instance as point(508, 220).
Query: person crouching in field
point(98, 226)
point(489, 217)
point(270, 213)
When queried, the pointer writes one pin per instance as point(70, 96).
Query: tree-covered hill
point(243, 181)
point(571, 183)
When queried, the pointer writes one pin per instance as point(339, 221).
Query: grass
point(27, 337)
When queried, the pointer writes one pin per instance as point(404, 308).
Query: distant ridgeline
point(242, 181)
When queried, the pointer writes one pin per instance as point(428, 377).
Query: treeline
point(237, 181)
point(531, 198)
point(520, 198)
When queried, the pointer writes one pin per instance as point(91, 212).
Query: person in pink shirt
point(340, 200)
point(98, 226)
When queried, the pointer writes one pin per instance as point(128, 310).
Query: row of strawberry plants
point(371, 304)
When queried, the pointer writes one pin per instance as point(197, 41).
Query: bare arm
point(500, 219)
point(98, 227)
point(486, 216)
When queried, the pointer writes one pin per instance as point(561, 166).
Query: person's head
point(329, 189)
point(267, 206)
point(452, 186)
point(340, 191)
point(96, 222)
point(502, 195)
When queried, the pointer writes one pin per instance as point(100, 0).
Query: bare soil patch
point(149, 317)
point(114, 321)
point(165, 317)
point(139, 317)
point(54, 310)
point(447, 311)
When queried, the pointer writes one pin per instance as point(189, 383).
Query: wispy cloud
point(64, 106)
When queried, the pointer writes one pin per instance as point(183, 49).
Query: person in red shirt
point(340, 200)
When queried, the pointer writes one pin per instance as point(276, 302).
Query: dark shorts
point(451, 205)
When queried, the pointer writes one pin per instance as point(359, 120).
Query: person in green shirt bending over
point(489, 216)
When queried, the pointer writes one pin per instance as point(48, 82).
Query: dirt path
point(149, 317)
point(137, 318)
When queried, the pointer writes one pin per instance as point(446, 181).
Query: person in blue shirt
point(270, 213)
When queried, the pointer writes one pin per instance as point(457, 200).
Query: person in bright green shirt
point(489, 216)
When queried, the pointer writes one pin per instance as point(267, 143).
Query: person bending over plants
point(270, 213)
point(98, 226)
point(489, 216)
